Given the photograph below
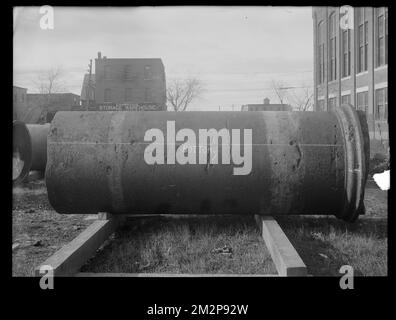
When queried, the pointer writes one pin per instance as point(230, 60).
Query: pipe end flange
point(357, 154)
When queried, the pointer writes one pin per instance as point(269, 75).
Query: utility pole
point(89, 89)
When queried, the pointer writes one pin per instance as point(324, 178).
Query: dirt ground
point(37, 230)
point(187, 246)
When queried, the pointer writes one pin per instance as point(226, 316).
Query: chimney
point(99, 55)
point(266, 101)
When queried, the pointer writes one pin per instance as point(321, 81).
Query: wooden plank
point(169, 275)
point(175, 216)
point(69, 259)
point(285, 257)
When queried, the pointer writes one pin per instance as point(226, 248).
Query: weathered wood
point(168, 275)
point(285, 257)
point(104, 216)
point(69, 259)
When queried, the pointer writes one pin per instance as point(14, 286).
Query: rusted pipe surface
point(29, 149)
point(270, 163)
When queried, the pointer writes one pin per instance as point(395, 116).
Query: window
point(107, 95)
point(320, 105)
point(332, 47)
point(331, 103)
point(362, 38)
point(147, 72)
point(381, 104)
point(128, 72)
point(346, 99)
point(362, 101)
point(346, 53)
point(381, 25)
point(320, 52)
point(106, 72)
point(128, 94)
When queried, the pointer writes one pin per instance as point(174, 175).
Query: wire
point(243, 73)
point(257, 89)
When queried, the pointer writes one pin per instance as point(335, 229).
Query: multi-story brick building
point(130, 82)
point(351, 64)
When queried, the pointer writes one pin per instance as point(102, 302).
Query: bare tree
point(299, 97)
point(180, 93)
point(279, 89)
point(302, 100)
point(50, 81)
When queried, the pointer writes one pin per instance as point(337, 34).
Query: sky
point(237, 52)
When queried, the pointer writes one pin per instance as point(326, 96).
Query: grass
point(325, 244)
point(185, 245)
point(37, 230)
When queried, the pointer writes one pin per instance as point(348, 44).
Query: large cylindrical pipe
point(29, 149)
point(38, 134)
point(21, 152)
point(270, 163)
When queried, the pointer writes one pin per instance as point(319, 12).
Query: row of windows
point(128, 95)
point(346, 53)
point(321, 57)
point(380, 107)
point(346, 99)
point(362, 101)
point(381, 21)
point(128, 72)
point(381, 104)
point(332, 47)
point(361, 38)
point(332, 103)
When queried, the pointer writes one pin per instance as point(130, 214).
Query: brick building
point(19, 103)
point(351, 65)
point(266, 106)
point(130, 82)
point(51, 103)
